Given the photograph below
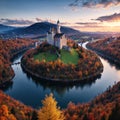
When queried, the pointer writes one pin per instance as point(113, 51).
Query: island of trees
point(64, 65)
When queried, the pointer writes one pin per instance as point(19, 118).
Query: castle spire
point(58, 27)
point(58, 22)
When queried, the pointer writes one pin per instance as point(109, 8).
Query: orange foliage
point(88, 64)
point(104, 107)
point(110, 47)
point(8, 49)
point(12, 109)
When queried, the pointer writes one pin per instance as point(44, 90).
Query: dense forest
point(110, 47)
point(104, 107)
point(11, 109)
point(59, 70)
point(8, 49)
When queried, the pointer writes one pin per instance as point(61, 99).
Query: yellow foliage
point(50, 111)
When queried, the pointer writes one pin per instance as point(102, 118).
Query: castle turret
point(50, 36)
point(58, 27)
point(56, 38)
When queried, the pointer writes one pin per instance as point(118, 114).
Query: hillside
point(4, 28)
point(38, 29)
point(8, 49)
point(104, 107)
point(11, 109)
point(109, 48)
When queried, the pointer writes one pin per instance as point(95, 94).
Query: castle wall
point(57, 42)
point(63, 42)
point(50, 39)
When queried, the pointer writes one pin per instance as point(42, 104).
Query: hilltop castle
point(56, 37)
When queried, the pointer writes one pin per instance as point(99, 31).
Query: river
point(30, 92)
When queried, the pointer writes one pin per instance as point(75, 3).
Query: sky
point(83, 15)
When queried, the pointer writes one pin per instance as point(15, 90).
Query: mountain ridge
point(5, 28)
point(37, 29)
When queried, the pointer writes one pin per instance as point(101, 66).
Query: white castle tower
point(58, 27)
point(56, 38)
point(50, 36)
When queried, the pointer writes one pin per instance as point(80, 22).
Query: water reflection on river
point(29, 91)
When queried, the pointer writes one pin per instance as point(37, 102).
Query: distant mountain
point(4, 28)
point(43, 27)
point(38, 29)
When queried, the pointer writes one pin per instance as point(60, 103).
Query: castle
point(56, 37)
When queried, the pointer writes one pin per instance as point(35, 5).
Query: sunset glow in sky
point(84, 15)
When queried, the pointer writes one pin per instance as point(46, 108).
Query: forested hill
point(104, 107)
point(44, 27)
point(4, 28)
point(11, 109)
point(8, 49)
point(38, 29)
point(109, 47)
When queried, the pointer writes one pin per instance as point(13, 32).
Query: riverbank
point(19, 52)
point(65, 81)
point(14, 108)
point(102, 54)
point(105, 106)
point(6, 82)
point(107, 48)
point(9, 50)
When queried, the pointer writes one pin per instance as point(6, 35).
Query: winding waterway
point(27, 90)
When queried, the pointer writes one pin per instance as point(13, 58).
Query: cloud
point(22, 22)
point(65, 23)
point(94, 3)
point(110, 18)
point(97, 29)
point(15, 22)
point(88, 24)
point(51, 21)
point(44, 20)
point(39, 19)
point(74, 5)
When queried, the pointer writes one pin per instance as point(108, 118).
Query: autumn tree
point(34, 116)
point(9, 49)
point(4, 110)
point(4, 113)
point(115, 115)
point(50, 111)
